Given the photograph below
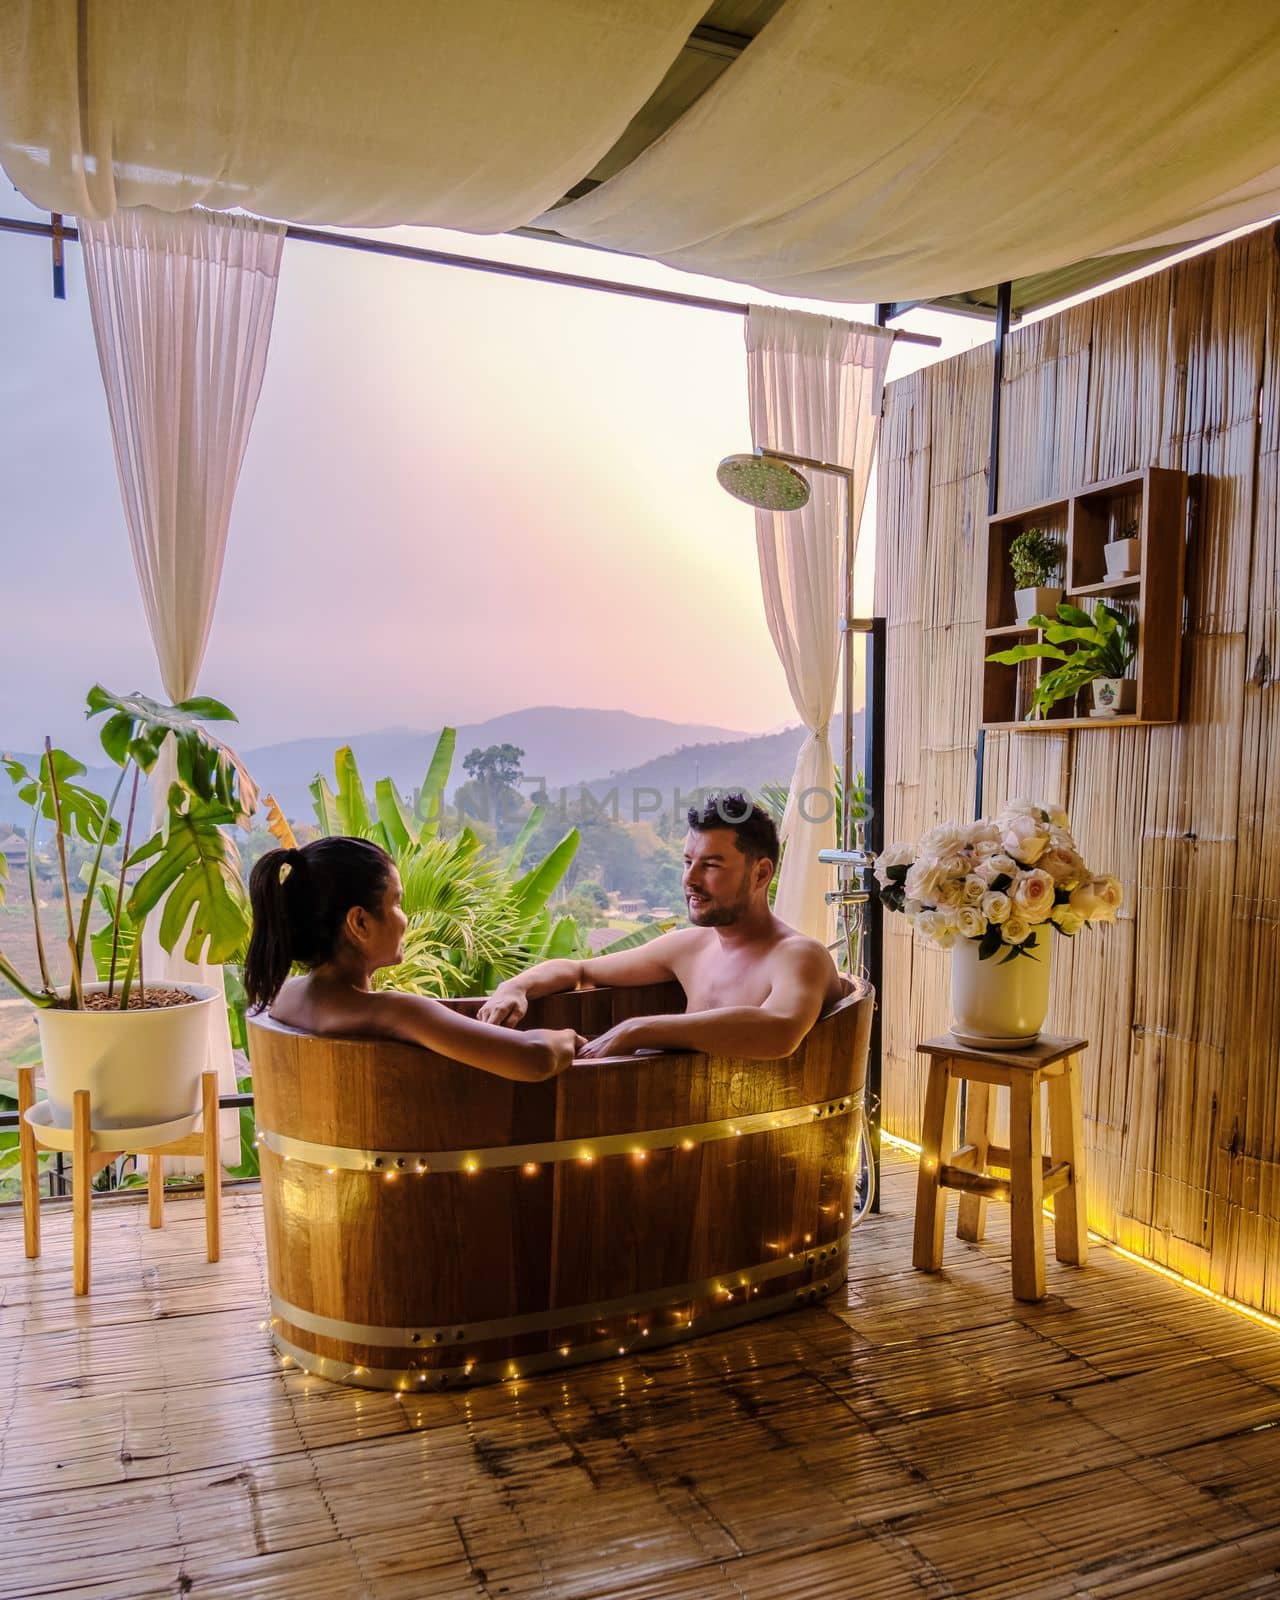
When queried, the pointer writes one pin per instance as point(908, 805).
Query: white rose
point(980, 833)
point(913, 908)
point(985, 848)
point(951, 892)
point(1032, 895)
point(1063, 865)
point(1015, 930)
point(1017, 808)
point(974, 889)
point(943, 840)
point(1025, 840)
point(1067, 921)
point(935, 929)
point(996, 907)
point(970, 923)
point(1058, 817)
point(922, 881)
point(1097, 899)
point(897, 855)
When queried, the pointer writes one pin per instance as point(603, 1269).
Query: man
point(754, 986)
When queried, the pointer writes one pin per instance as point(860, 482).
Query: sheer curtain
point(182, 307)
point(814, 389)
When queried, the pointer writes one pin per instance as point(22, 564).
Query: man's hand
point(505, 1007)
point(623, 1039)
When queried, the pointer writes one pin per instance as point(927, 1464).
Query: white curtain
point(182, 308)
point(814, 389)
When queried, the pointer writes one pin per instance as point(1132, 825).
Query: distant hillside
point(736, 764)
point(561, 743)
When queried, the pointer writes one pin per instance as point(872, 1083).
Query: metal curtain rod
point(503, 269)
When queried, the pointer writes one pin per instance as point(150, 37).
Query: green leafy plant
point(1101, 646)
point(474, 916)
point(1033, 557)
point(191, 859)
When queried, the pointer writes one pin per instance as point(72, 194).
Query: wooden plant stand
point(94, 1148)
point(1033, 1177)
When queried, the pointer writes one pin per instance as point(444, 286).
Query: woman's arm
point(528, 1057)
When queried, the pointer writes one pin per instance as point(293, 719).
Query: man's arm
point(766, 1032)
point(648, 963)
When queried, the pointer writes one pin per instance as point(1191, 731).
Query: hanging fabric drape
point(901, 149)
point(181, 308)
point(475, 115)
point(814, 389)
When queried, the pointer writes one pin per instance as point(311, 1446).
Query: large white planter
point(999, 1006)
point(140, 1067)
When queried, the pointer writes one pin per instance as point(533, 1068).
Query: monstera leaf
point(137, 726)
point(196, 866)
point(82, 810)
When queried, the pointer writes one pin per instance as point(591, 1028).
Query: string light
point(686, 1144)
point(470, 1166)
point(530, 1169)
point(331, 1171)
point(639, 1155)
point(586, 1158)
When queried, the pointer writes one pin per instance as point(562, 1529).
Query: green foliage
point(195, 869)
point(474, 919)
point(1033, 556)
point(102, 942)
point(207, 769)
point(1102, 646)
point(83, 811)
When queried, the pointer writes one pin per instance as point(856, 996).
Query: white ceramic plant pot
point(140, 1067)
point(1115, 696)
point(1033, 602)
point(1122, 557)
point(999, 1005)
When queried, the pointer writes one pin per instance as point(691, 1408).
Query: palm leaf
point(535, 888)
point(431, 796)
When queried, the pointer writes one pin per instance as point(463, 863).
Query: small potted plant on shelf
point(1123, 552)
point(135, 1045)
point(1033, 557)
point(1097, 649)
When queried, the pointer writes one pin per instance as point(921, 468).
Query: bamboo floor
point(914, 1436)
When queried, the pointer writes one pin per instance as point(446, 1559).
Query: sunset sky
point(463, 495)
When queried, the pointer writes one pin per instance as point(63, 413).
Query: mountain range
point(565, 746)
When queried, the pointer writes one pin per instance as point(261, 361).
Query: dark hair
point(752, 827)
point(300, 899)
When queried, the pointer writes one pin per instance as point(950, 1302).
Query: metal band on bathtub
point(417, 1379)
point(389, 1163)
point(726, 1284)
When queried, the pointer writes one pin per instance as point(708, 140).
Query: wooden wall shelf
point(1156, 498)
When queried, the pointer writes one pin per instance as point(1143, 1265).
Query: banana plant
point(1103, 646)
point(474, 917)
point(191, 860)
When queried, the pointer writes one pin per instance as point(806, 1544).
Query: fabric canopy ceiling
point(902, 149)
point(883, 150)
point(472, 115)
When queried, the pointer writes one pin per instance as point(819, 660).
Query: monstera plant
point(191, 864)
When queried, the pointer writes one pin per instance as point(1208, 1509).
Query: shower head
point(764, 481)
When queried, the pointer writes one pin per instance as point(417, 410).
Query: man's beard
point(711, 915)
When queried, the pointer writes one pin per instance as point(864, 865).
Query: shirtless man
point(754, 986)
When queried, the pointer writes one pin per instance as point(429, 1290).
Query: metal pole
point(502, 269)
point(874, 768)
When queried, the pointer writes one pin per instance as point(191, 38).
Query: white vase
point(1122, 557)
point(999, 1005)
point(1029, 603)
point(140, 1067)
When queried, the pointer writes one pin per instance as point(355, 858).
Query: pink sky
point(463, 495)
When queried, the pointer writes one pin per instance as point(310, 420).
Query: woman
point(334, 907)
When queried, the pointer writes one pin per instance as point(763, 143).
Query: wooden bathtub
point(429, 1225)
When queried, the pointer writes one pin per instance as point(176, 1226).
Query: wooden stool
point(1033, 1176)
point(94, 1148)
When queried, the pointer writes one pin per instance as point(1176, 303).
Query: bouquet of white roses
point(997, 881)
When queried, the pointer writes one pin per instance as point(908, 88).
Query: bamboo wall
point(1181, 998)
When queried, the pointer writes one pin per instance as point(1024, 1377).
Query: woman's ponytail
point(273, 944)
